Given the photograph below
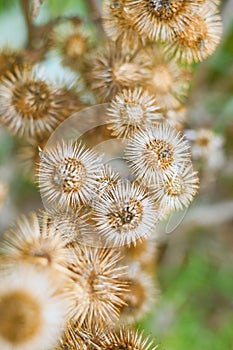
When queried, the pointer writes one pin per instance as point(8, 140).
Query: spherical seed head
point(199, 38)
point(178, 189)
point(97, 286)
point(114, 70)
point(80, 338)
point(67, 174)
point(118, 26)
point(125, 214)
point(156, 152)
point(157, 19)
point(130, 110)
point(140, 296)
point(168, 81)
point(30, 106)
point(207, 147)
point(126, 339)
point(72, 43)
point(37, 241)
point(31, 315)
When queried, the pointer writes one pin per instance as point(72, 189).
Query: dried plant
point(64, 283)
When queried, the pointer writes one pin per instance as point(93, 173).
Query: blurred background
point(195, 262)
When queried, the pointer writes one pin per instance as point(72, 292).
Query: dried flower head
point(157, 19)
point(156, 152)
point(118, 25)
point(72, 42)
point(198, 39)
point(80, 338)
point(168, 81)
point(140, 297)
point(125, 214)
point(30, 106)
point(114, 70)
point(207, 147)
point(126, 339)
point(97, 286)
point(37, 241)
point(178, 189)
point(68, 174)
point(130, 110)
point(31, 314)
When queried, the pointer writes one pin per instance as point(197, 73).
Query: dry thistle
point(177, 190)
point(140, 296)
point(68, 174)
point(97, 285)
point(168, 81)
point(125, 214)
point(198, 39)
point(31, 314)
point(30, 106)
point(114, 70)
point(156, 152)
point(119, 27)
point(37, 241)
point(132, 110)
point(157, 19)
point(126, 339)
point(72, 42)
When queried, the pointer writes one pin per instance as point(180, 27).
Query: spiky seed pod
point(130, 110)
point(80, 338)
point(32, 315)
point(30, 106)
point(199, 39)
point(141, 294)
point(178, 189)
point(72, 43)
point(118, 26)
point(68, 174)
point(97, 286)
point(168, 81)
point(207, 147)
point(114, 70)
point(37, 241)
point(156, 152)
point(127, 339)
point(157, 19)
point(125, 214)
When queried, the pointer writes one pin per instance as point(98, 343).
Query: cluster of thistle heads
point(76, 275)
